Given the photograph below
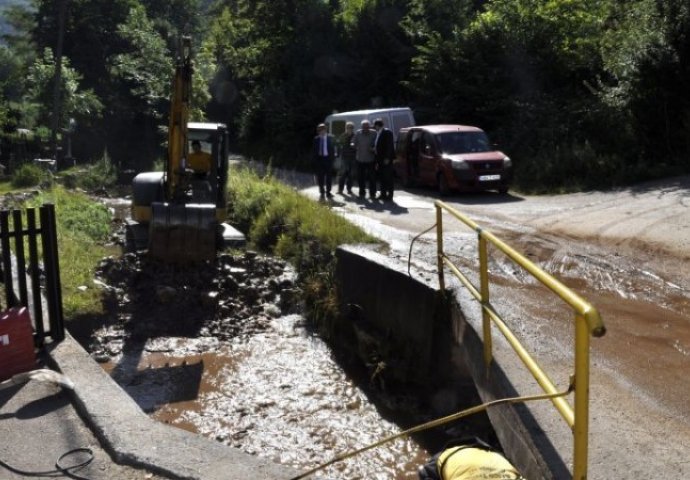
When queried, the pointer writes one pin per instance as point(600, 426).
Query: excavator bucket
point(183, 233)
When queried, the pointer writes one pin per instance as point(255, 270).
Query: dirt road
point(628, 253)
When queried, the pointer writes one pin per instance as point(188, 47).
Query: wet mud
point(222, 350)
point(644, 300)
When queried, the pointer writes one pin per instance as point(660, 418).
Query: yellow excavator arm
point(179, 214)
point(179, 116)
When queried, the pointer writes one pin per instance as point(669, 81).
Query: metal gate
point(30, 269)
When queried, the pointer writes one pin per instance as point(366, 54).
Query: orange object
point(17, 350)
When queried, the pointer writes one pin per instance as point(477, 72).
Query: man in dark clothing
point(323, 153)
point(384, 154)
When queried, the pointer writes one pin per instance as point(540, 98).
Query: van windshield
point(453, 143)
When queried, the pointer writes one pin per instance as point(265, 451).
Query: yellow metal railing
point(587, 322)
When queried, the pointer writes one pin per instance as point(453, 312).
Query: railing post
point(35, 276)
point(581, 426)
point(439, 245)
point(10, 296)
point(52, 266)
point(17, 224)
point(484, 290)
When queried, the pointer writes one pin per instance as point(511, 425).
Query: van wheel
point(443, 188)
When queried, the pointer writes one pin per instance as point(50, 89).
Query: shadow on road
point(666, 185)
point(470, 198)
point(378, 205)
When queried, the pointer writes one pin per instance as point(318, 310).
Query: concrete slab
point(132, 438)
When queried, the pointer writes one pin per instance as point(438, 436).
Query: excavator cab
point(188, 224)
point(178, 214)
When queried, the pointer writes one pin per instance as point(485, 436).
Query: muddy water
point(280, 395)
point(275, 391)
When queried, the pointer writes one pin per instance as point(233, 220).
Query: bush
point(93, 177)
point(283, 222)
point(29, 175)
point(569, 167)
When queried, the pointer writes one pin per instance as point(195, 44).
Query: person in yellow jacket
point(198, 160)
point(473, 461)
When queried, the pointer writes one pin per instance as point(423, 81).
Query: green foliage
point(172, 18)
point(579, 163)
point(11, 85)
point(542, 76)
point(145, 67)
point(648, 55)
point(283, 222)
point(248, 197)
point(83, 228)
point(76, 102)
point(81, 218)
point(96, 176)
point(29, 175)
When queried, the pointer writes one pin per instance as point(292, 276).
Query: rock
point(272, 310)
point(210, 299)
point(226, 301)
point(101, 357)
point(165, 294)
point(102, 284)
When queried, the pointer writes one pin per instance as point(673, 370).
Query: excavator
point(178, 214)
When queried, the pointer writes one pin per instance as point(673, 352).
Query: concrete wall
point(395, 318)
point(421, 332)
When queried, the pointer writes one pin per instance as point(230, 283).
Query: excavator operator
point(199, 161)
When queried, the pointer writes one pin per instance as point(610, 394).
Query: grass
point(83, 225)
point(83, 229)
point(278, 220)
point(6, 187)
point(281, 221)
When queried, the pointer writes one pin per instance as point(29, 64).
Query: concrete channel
point(418, 337)
point(428, 338)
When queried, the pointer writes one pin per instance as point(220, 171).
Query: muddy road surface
point(626, 251)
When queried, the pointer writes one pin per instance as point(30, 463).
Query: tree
point(377, 45)
point(139, 98)
point(440, 67)
point(75, 102)
point(90, 38)
point(647, 54)
point(271, 70)
point(174, 18)
point(144, 68)
point(11, 88)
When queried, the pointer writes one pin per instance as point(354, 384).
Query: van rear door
point(400, 120)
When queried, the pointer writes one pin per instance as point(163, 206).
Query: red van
point(451, 157)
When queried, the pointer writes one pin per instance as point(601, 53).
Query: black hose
point(60, 470)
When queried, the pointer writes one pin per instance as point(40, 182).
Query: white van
point(393, 118)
